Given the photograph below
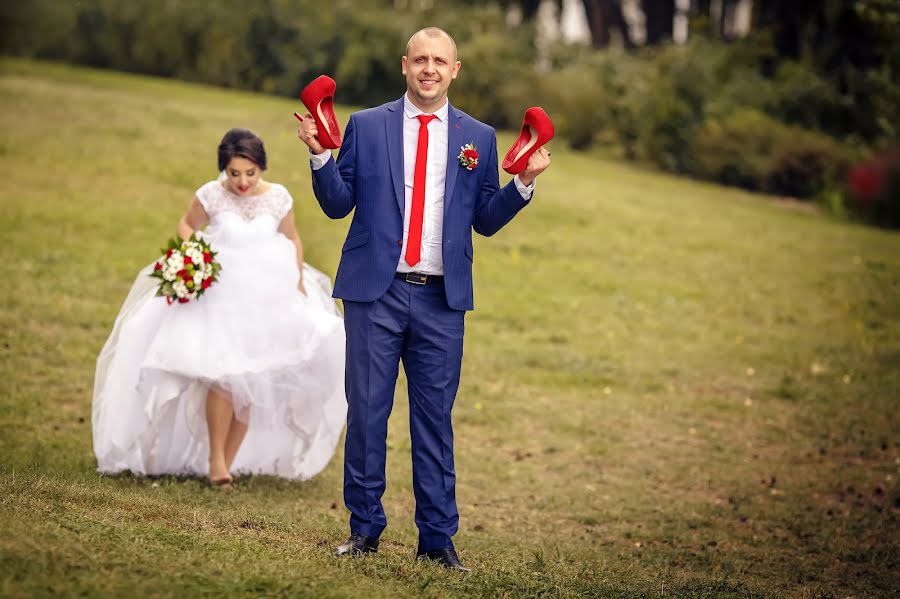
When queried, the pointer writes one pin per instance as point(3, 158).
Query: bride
point(247, 379)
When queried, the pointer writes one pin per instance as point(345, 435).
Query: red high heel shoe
point(318, 97)
point(536, 131)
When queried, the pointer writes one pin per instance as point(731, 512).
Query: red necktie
point(417, 212)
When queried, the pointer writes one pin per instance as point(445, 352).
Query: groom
point(405, 277)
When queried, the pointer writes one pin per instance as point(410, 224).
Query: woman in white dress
point(248, 378)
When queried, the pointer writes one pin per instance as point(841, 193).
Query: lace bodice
point(275, 202)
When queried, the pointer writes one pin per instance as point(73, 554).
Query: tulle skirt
point(279, 353)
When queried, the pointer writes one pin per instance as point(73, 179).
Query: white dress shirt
point(431, 258)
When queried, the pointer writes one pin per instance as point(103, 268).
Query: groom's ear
point(456, 68)
point(403, 65)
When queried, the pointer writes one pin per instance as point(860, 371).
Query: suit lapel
point(454, 142)
point(394, 131)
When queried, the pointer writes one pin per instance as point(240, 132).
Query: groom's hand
point(537, 164)
point(308, 134)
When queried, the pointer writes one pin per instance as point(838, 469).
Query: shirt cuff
point(524, 190)
point(319, 160)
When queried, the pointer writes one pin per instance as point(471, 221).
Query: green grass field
point(669, 388)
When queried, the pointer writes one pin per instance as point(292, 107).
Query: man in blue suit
point(405, 278)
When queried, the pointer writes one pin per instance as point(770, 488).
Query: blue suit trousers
point(415, 325)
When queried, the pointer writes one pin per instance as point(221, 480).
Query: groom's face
point(429, 65)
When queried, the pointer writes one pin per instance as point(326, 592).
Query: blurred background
point(799, 99)
point(671, 387)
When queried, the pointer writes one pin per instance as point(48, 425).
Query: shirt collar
point(411, 111)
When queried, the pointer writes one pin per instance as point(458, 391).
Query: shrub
point(735, 149)
point(744, 88)
point(577, 104)
point(803, 98)
point(625, 82)
point(682, 80)
point(751, 150)
point(803, 163)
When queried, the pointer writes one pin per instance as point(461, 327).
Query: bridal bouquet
point(185, 270)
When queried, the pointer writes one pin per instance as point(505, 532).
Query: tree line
point(785, 106)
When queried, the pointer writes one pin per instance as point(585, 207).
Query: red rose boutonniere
point(468, 156)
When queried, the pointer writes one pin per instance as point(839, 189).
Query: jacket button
point(400, 242)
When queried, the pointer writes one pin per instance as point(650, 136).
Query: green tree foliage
point(854, 45)
point(818, 77)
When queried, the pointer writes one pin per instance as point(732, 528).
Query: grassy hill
point(669, 387)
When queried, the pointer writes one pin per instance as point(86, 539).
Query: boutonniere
point(468, 156)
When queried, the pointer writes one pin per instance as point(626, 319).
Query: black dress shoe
point(357, 545)
point(445, 557)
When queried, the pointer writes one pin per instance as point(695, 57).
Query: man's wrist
point(525, 189)
point(319, 160)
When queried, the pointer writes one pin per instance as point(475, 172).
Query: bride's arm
point(195, 218)
point(289, 230)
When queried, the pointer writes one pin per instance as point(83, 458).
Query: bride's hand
point(301, 288)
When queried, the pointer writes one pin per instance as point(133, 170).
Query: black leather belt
point(418, 278)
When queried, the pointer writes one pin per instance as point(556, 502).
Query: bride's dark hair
point(243, 143)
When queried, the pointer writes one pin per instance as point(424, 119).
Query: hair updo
point(243, 143)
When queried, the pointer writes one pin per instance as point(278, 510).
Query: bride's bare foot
point(220, 477)
point(223, 484)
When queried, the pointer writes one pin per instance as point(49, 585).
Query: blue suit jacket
point(368, 177)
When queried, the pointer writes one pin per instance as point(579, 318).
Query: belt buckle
point(416, 278)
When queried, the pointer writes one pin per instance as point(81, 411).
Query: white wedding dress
point(279, 353)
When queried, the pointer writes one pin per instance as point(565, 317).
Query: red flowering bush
point(874, 189)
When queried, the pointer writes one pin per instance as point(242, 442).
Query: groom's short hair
point(433, 32)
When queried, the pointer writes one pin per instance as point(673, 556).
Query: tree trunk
point(529, 9)
point(618, 21)
point(603, 16)
point(660, 17)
